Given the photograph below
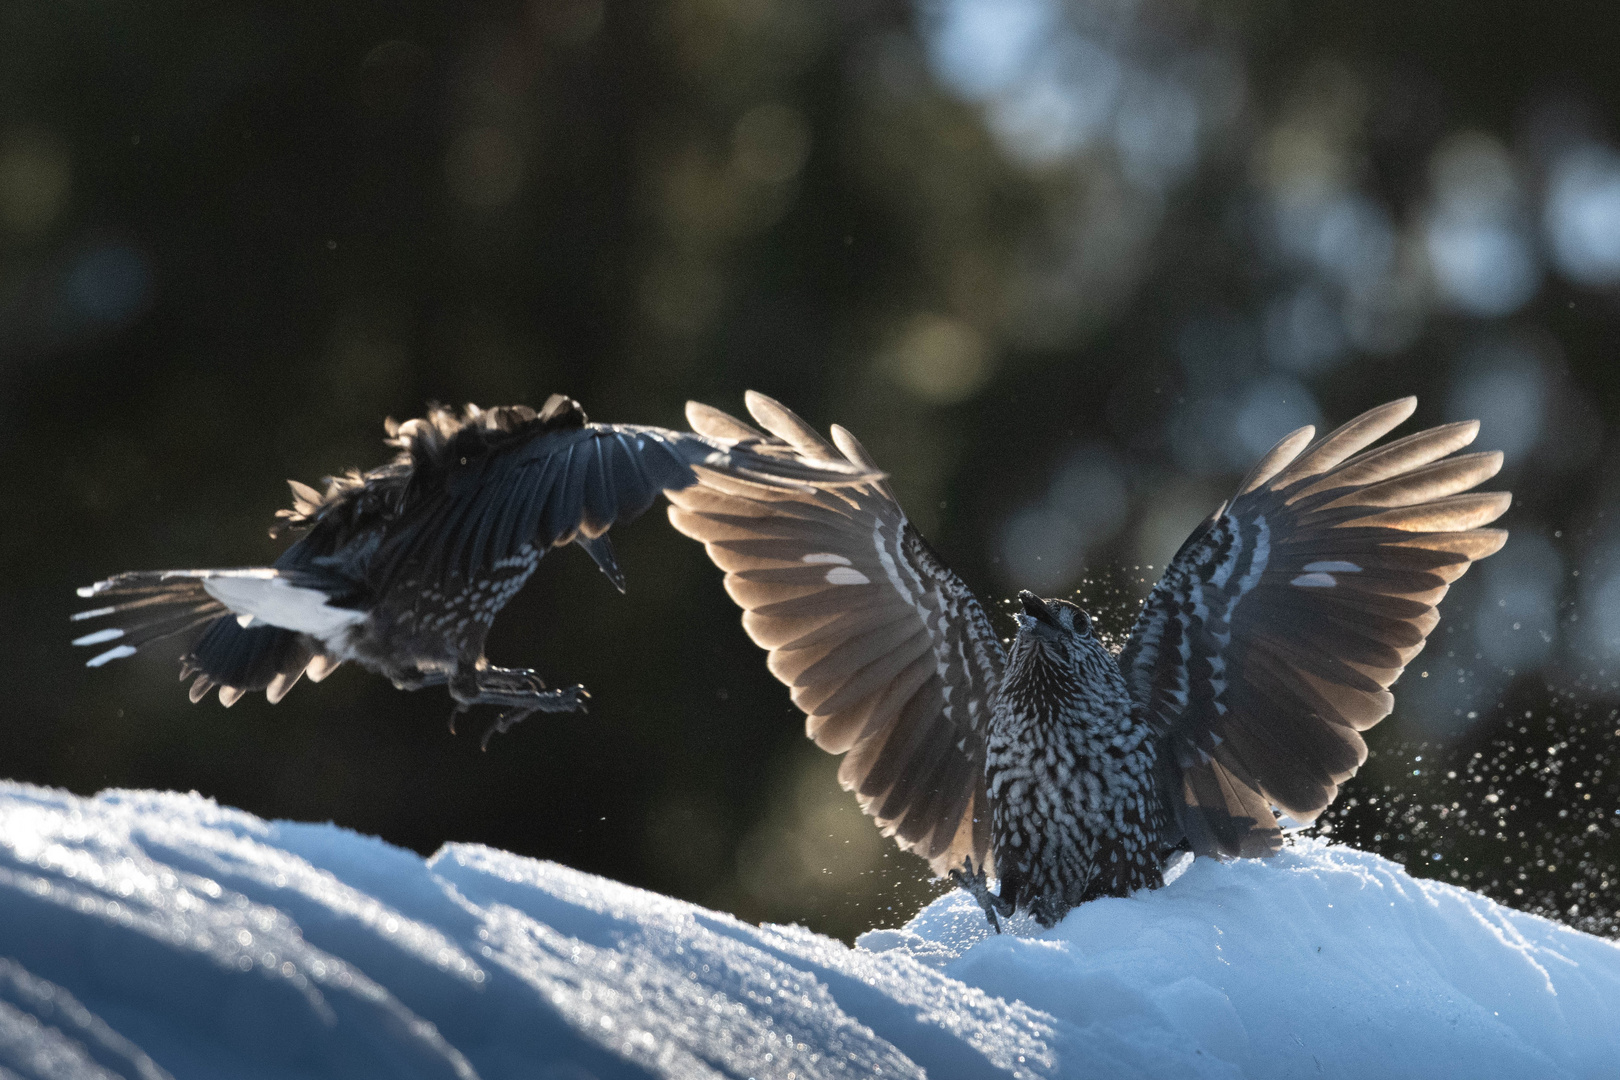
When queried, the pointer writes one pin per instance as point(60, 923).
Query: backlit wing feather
point(889, 655)
point(1272, 640)
point(561, 486)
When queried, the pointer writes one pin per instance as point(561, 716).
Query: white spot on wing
point(111, 654)
point(93, 613)
point(1333, 566)
point(110, 634)
point(886, 559)
point(824, 557)
point(1262, 555)
point(1314, 581)
point(847, 575)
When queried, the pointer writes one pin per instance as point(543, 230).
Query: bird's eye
point(1082, 622)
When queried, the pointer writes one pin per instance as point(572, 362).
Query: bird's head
point(1057, 627)
point(1057, 657)
point(1052, 620)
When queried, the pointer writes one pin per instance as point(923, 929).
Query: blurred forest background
point(1067, 266)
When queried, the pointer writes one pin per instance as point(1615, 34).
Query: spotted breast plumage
point(403, 569)
point(1055, 765)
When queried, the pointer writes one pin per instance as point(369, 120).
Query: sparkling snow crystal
point(149, 935)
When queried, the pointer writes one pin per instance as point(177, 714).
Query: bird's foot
point(979, 887)
point(519, 692)
point(570, 700)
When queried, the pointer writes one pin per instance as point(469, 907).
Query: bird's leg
point(504, 723)
point(976, 884)
point(519, 690)
point(414, 678)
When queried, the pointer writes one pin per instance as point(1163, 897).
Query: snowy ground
point(150, 935)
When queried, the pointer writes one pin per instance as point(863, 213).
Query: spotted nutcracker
point(403, 569)
point(1067, 770)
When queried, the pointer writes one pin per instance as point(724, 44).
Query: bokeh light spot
point(940, 359)
point(979, 47)
point(1582, 215)
point(1156, 131)
point(109, 285)
point(1303, 332)
point(1354, 239)
point(1484, 267)
point(34, 181)
point(1501, 385)
point(1478, 244)
point(1061, 105)
point(1270, 409)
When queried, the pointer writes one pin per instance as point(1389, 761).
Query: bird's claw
point(979, 887)
point(572, 699)
point(503, 723)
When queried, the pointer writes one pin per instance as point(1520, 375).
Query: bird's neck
point(1049, 687)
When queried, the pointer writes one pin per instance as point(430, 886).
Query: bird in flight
point(1063, 769)
point(403, 569)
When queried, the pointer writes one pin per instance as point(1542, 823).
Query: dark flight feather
point(404, 567)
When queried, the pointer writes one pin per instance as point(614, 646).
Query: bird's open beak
point(1036, 609)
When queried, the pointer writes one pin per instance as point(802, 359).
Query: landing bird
point(1067, 770)
point(402, 569)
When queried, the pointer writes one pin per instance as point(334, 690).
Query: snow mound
point(148, 935)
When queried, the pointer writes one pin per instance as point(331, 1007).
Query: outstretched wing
point(465, 492)
point(550, 486)
point(889, 655)
point(1274, 636)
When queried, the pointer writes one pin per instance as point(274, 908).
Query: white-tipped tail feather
point(117, 653)
point(257, 630)
point(112, 633)
point(258, 593)
point(149, 607)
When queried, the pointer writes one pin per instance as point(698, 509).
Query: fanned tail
point(153, 606)
point(150, 606)
point(239, 658)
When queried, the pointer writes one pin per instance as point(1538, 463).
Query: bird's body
point(404, 568)
point(1070, 771)
point(1076, 810)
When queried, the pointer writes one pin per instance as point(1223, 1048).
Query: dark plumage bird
point(403, 569)
point(1067, 770)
